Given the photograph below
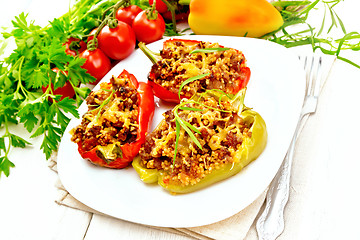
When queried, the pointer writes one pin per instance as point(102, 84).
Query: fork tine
point(309, 75)
point(307, 65)
point(317, 77)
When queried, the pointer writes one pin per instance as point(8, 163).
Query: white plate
point(275, 90)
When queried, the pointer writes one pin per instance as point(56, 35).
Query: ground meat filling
point(177, 65)
point(111, 116)
point(221, 135)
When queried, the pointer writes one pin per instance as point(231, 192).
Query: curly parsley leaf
point(5, 165)
point(17, 141)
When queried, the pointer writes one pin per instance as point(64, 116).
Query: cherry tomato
point(160, 6)
point(74, 46)
point(97, 63)
point(117, 43)
point(91, 37)
point(65, 91)
point(148, 30)
point(128, 14)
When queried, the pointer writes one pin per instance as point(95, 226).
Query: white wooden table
point(28, 210)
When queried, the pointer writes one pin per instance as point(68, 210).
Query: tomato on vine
point(97, 63)
point(128, 14)
point(74, 46)
point(118, 41)
point(160, 6)
point(149, 26)
point(169, 10)
point(91, 35)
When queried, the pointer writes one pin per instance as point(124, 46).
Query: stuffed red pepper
point(212, 66)
point(116, 123)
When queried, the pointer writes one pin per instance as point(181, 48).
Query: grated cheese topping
point(177, 65)
point(111, 119)
point(221, 135)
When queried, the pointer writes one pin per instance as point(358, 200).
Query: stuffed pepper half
point(201, 141)
point(116, 123)
point(181, 62)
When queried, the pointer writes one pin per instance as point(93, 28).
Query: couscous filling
point(220, 133)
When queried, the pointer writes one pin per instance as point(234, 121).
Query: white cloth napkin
point(235, 227)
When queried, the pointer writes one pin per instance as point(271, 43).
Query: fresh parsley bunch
point(29, 68)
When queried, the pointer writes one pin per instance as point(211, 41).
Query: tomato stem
point(109, 19)
point(172, 8)
point(75, 46)
point(121, 3)
point(105, 13)
point(92, 44)
point(112, 23)
point(152, 13)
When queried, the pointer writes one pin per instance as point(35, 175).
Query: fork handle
point(270, 224)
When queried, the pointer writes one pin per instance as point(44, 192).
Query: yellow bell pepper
point(251, 18)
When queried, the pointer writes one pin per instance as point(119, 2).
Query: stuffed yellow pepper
point(203, 140)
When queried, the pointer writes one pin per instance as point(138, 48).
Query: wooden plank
point(73, 224)
point(28, 208)
point(102, 227)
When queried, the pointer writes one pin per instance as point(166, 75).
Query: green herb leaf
point(185, 125)
point(177, 132)
point(5, 165)
point(192, 128)
point(208, 50)
point(68, 106)
point(191, 109)
point(189, 80)
point(297, 13)
point(17, 141)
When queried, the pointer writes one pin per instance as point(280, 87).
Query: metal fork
point(270, 223)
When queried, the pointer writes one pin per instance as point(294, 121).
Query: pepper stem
point(153, 57)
